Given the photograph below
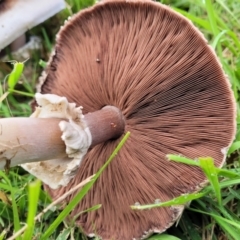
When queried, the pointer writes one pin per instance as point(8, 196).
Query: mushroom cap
point(158, 69)
point(14, 23)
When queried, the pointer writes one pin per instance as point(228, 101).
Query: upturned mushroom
point(152, 67)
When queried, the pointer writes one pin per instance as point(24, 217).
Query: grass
point(214, 213)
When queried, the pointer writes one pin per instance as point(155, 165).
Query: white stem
point(58, 132)
point(14, 22)
point(30, 140)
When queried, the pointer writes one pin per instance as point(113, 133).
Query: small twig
point(37, 218)
point(18, 233)
point(87, 180)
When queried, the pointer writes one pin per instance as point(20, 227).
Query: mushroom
point(59, 141)
point(157, 69)
point(14, 23)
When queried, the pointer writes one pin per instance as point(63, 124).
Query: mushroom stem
point(25, 140)
point(29, 140)
point(107, 123)
point(18, 43)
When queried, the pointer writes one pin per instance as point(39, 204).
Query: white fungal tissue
point(75, 134)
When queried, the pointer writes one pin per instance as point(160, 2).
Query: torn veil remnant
point(153, 65)
point(75, 134)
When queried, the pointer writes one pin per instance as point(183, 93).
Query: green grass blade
point(235, 39)
point(212, 17)
point(16, 220)
point(181, 159)
point(234, 193)
point(21, 93)
point(197, 20)
point(207, 165)
point(46, 39)
point(64, 235)
point(33, 197)
point(3, 96)
point(163, 237)
point(217, 39)
point(228, 183)
point(82, 192)
point(8, 187)
point(213, 23)
point(94, 208)
point(42, 63)
point(231, 227)
point(235, 146)
point(181, 200)
point(228, 173)
point(226, 8)
point(15, 74)
point(188, 227)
